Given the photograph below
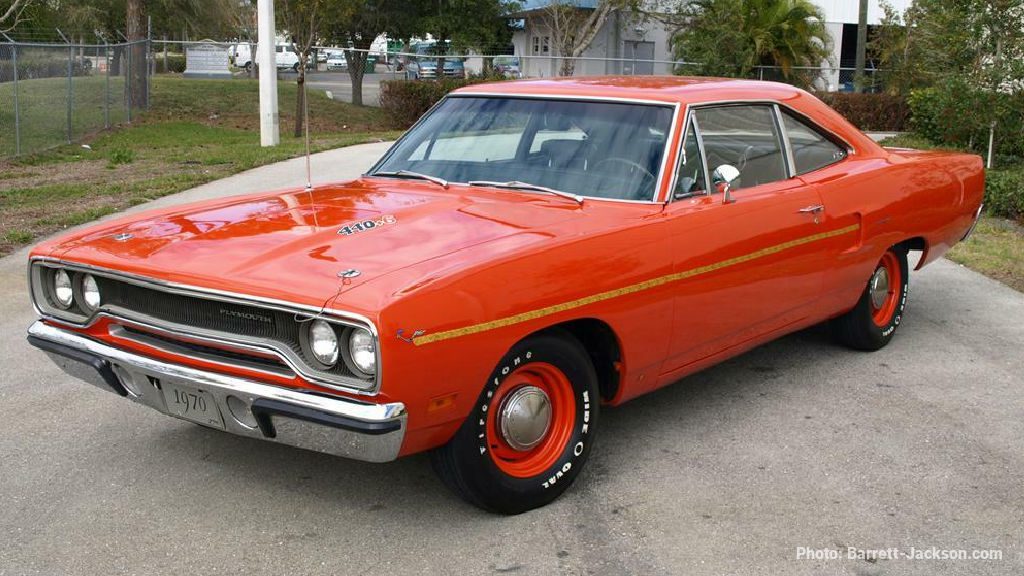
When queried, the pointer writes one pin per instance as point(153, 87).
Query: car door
point(748, 265)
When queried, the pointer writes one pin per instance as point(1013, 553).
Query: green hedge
point(1004, 193)
point(30, 67)
point(406, 100)
point(175, 63)
point(874, 112)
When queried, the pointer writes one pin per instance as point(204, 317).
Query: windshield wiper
point(517, 185)
point(412, 175)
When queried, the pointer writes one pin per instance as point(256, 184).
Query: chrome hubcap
point(879, 287)
point(525, 417)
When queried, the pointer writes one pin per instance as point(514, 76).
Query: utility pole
point(862, 45)
point(267, 60)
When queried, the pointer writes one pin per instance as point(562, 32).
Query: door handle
point(811, 209)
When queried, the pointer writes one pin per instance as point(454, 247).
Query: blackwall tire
point(485, 462)
point(871, 324)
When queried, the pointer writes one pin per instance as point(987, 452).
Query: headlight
point(363, 350)
point(63, 295)
point(323, 342)
point(90, 293)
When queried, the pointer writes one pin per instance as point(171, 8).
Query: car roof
point(672, 89)
point(682, 90)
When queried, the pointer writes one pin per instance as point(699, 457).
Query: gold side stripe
point(631, 289)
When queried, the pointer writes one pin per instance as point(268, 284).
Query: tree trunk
point(356, 60)
point(567, 67)
point(115, 61)
point(136, 15)
point(862, 42)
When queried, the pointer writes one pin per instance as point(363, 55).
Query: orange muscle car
point(527, 254)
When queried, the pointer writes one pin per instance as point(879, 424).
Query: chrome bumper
point(342, 427)
point(977, 218)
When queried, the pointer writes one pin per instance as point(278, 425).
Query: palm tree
point(787, 33)
point(735, 37)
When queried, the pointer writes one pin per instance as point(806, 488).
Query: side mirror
point(723, 177)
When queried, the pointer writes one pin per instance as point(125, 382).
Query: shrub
point(37, 66)
point(955, 114)
point(405, 101)
point(878, 112)
point(175, 63)
point(1004, 193)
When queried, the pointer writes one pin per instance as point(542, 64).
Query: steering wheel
point(637, 176)
point(741, 161)
point(627, 162)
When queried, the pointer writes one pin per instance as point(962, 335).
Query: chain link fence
point(343, 71)
point(54, 94)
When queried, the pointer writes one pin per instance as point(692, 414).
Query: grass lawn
point(196, 131)
point(996, 249)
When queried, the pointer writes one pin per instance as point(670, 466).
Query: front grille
point(195, 312)
point(234, 321)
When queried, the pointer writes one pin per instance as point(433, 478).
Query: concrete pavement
point(799, 443)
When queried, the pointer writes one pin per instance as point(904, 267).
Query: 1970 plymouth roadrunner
point(527, 254)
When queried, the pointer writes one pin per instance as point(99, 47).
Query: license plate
point(192, 404)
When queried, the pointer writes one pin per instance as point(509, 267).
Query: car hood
point(293, 245)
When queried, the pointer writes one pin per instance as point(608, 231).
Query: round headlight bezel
point(322, 360)
point(359, 368)
point(55, 290)
point(84, 291)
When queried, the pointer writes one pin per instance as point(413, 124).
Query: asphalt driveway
point(799, 443)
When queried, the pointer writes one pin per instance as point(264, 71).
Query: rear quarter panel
point(903, 195)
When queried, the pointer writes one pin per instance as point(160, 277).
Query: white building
point(627, 44)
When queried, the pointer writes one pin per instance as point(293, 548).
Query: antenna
point(309, 170)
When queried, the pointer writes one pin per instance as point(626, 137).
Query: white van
point(285, 56)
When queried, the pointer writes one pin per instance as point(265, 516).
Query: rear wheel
point(871, 324)
point(530, 431)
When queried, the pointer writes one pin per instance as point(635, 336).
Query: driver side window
point(746, 137)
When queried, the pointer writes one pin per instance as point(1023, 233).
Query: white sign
point(206, 60)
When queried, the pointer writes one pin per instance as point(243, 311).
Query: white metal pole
point(269, 120)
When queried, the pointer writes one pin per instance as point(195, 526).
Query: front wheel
point(871, 324)
point(531, 429)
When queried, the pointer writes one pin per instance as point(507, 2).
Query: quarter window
point(811, 150)
point(746, 137)
point(690, 178)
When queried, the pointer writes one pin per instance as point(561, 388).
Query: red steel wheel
point(871, 323)
point(885, 289)
point(529, 434)
point(530, 419)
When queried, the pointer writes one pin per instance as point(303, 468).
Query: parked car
point(526, 256)
point(285, 57)
point(424, 64)
point(336, 61)
point(507, 66)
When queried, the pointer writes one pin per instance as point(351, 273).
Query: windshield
point(592, 149)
